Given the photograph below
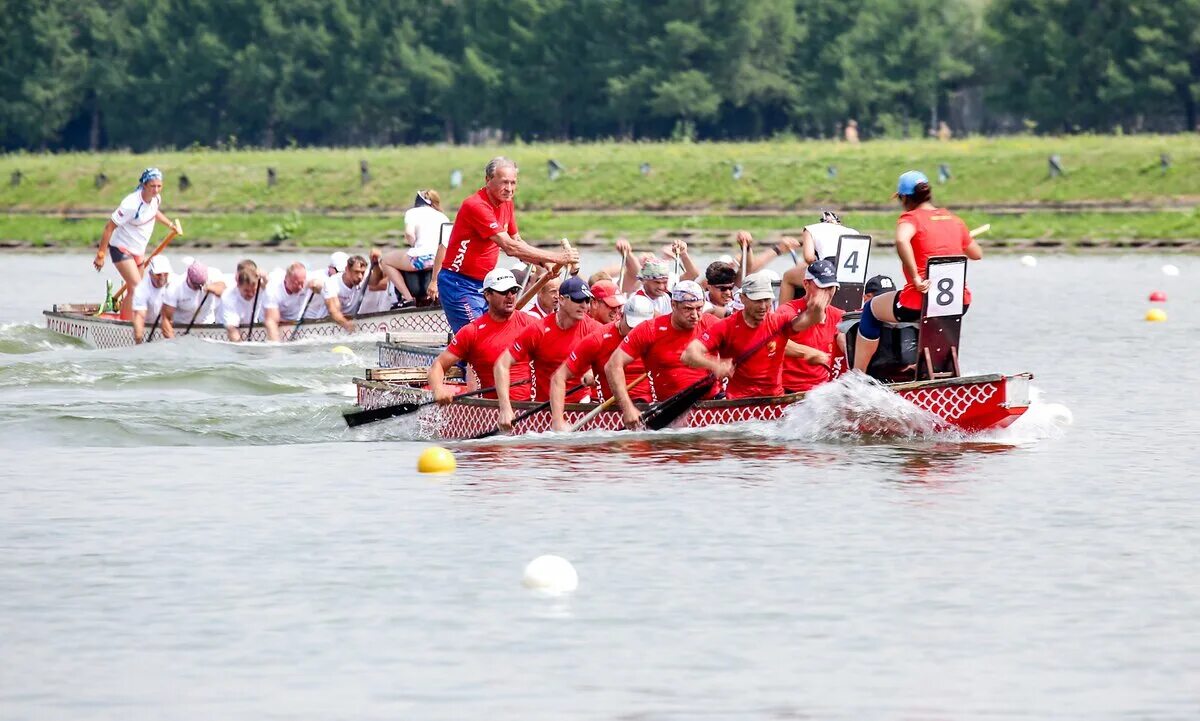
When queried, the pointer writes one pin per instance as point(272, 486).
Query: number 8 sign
point(947, 277)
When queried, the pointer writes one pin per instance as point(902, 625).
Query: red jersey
point(594, 351)
point(799, 374)
point(939, 232)
point(758, 375)
point(481, 342)
point(546, 345)
point(660, 346)
point(471, 253)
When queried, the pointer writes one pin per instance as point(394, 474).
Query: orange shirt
point(939, 232)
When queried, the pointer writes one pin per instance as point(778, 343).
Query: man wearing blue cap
point(546, 345)
point(923, 231)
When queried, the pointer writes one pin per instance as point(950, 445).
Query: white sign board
point(853, 253)
point(444, 234)
point(945, 294)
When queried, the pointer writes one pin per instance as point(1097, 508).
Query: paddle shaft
point(154, 327)
point(359, 418)
point(536, 287)
point(197, 313)
point(304, 312)
point(608, 403)
point(254, 310)
point(161, 246)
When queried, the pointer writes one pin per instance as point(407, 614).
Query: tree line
point(141, 74)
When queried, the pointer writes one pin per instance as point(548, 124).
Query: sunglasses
point(510, 291)
point(581, 301)
point(723, 288)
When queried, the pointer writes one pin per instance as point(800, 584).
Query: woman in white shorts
point(423, 231)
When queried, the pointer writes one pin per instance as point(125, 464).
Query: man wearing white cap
point(192, 298)
point(588, 358)
point(660, 345)
point(481, 342)
point(148, 297)
point(755, 330)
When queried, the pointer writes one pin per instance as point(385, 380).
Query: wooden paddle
point(606, 404)
point(197, 313)
point(574, 267)
point(359, 418)
point(522, 416)
point(533, 290)
point(154, 327)
point(177, 229)
point(981, 230)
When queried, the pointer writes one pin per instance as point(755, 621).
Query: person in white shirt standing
point(423, 231)
point(343, 293)
point(128, 232)
point(820, 240)
point(189, 296)
point(148, 297)
point(285, 298)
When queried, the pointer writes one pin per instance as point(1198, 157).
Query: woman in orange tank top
point(923, 231)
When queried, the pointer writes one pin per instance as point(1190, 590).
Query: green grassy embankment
point(602, 193)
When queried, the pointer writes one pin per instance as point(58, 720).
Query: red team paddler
point(756, 330)
point(660, 345)
point(807, 361)
point(593, 352)
point(546, 344)
point(481, 342)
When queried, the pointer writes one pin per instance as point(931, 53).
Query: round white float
point(1028, 261)
point(1169, 269)
point(552, 574)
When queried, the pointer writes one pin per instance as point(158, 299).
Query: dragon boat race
point(746, 360)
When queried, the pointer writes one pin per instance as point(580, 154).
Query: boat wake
point(25, 338)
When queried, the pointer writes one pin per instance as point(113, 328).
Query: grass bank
point(1040, 228)
point(780, 175)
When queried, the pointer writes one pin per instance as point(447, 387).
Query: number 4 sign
point(947, 277)
point(853, 253)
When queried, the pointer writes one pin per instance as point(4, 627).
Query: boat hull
point(970, 404)
point(423, 325)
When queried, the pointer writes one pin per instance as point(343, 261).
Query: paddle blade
point(359, 418)
point(666, 412)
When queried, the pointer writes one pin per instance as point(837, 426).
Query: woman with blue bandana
point(128, 232)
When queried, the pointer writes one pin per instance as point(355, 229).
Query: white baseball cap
point(338, 261)
point(757, 286)
point(638, 309)
point(500, 279)
point(160, 264)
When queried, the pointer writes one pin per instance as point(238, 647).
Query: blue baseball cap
point(822, 273)
point(909, 181)
point(575, 289)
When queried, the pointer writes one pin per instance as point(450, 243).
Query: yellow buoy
point(341, 349)
point(1156, 315)
point(436, 459)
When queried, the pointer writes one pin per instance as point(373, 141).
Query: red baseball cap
point(606, 291)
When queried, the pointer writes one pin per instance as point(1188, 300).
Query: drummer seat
point(897, 352)
point(418, 284)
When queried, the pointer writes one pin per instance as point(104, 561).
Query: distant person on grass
point(484, 226)
point(128, 231)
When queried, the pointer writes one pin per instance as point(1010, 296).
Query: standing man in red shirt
point(593, 352)
point(755, 326)
point(922, 231)
point(545, 346)
point(481, 341)
point(484, 226)
point(660, 345)
point(809, 352)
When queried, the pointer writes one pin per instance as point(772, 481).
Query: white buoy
point(1028, 261)
point(1171, 270)
point(552, 574)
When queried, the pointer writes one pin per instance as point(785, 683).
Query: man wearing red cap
point(545, 345)
point(608, 301)
point(484, 339)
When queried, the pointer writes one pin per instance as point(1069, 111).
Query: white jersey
point(186, 301)
point(662, 304)
point(134, 219)
point(289, 305)
point(377, 301)
point(425, 224)
point(825, 238)
point(235, 310)
point(349, 298)
point(148, 299)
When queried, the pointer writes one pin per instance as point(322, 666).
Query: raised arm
point(515, 247)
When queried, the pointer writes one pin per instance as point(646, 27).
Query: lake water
point(188, 531)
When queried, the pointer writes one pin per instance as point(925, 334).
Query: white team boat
point(424, 326)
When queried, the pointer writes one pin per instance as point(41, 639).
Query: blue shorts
point(120, 254)
point(421, 262)
point(462, 298)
